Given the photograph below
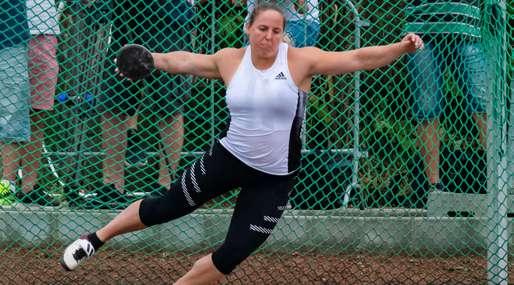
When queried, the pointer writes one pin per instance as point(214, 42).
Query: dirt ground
point(28, 266)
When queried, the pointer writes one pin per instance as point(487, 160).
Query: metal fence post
point(497, 223)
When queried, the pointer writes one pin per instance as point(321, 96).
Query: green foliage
point(230, 29)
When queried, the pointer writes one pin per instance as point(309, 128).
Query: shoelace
point(80, 253)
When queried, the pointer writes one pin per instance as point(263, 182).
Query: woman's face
point(265, 33)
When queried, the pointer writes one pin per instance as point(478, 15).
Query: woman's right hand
point(134, 62)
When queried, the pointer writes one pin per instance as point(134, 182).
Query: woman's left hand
point(412, 42)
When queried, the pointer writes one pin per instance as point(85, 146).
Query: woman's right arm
point(182, 62)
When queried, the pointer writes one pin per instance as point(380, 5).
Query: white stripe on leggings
point(193, 179)
point(186, 193)
point(271, 219)
point(260, 229)
point(201, 165)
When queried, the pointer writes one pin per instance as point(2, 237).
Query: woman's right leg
point(137, 216)
point(208, 177)
point(126, 221)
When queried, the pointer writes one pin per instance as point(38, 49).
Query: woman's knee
point(161, 209)
point(230, 254)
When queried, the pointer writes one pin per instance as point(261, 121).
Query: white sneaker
point(7, 187)
point(7, 192)
point(76, 253)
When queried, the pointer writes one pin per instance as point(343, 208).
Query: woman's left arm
point(368, 58)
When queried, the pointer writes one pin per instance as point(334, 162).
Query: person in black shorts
point(163, 26)
point(267, 83)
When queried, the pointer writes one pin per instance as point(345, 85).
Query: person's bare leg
point(114, 134)
point(10, 160)
point(202, 272)
point(172, 139)
point(126, 221)
point(481, 121)
point(430, 142)
point(31, 153)
point(84, 247)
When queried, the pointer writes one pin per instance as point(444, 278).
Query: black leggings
point(260, 204)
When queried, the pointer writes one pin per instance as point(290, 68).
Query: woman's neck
point(261, 62)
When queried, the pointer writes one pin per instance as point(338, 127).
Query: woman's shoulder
point(230, 54)
point(303, 53)
point(230, 51)
point(227, 61)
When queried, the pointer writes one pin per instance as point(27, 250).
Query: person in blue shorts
point(452, 43)
point(14, 87)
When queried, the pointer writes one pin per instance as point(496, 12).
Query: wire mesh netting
point(406, 169)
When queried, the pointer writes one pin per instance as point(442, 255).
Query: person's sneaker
point(37, 196)
point(76, 196)
point(76, 253)
point(436, 187)
point(108, 197)
point(7, 192)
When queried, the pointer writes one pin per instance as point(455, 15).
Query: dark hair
point(265, 6)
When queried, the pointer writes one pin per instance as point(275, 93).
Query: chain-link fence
point(406, 170)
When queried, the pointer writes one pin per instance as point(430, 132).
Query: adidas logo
point(280, 76)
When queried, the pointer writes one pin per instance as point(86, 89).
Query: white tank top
point(266, 113)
